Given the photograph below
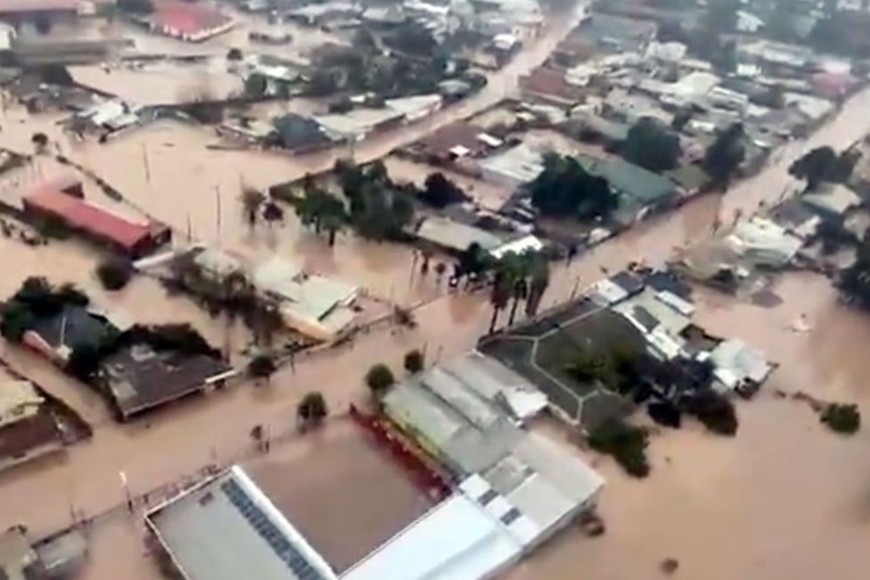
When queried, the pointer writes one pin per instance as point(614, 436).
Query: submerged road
point(199, 432)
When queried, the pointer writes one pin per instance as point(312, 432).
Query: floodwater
point(785, 499)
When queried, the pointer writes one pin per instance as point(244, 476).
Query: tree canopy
point(823, 164)
point(564, 188)
point(652, 145)
point(439, 192)
point(723, 157)
point(379, 378)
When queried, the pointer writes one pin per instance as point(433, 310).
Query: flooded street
point(784, 500)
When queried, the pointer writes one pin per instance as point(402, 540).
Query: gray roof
point(254, 540)
point(636, 185)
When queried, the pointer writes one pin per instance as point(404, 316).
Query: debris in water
point(669, 565)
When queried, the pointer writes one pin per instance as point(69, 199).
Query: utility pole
point(217, 197)
point(146, 164)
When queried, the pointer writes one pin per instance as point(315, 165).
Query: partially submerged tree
point(723, 157)
point(39, 141)
point(652, 145)
point(815, 167)
point(272, 213)
point(114, 273)
point(262, 366)
point(715, 411)
point(841, 418)
point(321, 211)
point(414, 362)
point(251, 200)
point(379, 379)
point(234, 55)
point(625, 443)
point(312, 410)
point(439, 192)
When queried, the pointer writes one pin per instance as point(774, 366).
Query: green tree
point(272, 213)
point(625, 443)
point(854, 282)
point(414, 362)
point(234, 55)
point(320, 210)
point(713, 410)
point(114, 273)
point(17, 319)
point(262, 366)
point(564, 188)
point(39, 141)
point(815, 167)
point(379, 379)
point(499, 296)
point(439, 192)
point(652, 146)
point(540, 281)
point(723, 157)
point(841, 418)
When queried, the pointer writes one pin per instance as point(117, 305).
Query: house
point(139, 378)
point(617, 34)
point(134, 239)
point(456, 141)
point(455, 236)
point(314, 305)
point(191, 22)
point(18, 560)
point(28, 428)
point(640, 191)
point(73, 327)
point(513, 167)
point(358, 123)
point(416, 107)
point(550, 86)
point(739, 366)
point(831, 201)
point(300, 134)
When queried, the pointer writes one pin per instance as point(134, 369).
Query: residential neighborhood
point(458, 289)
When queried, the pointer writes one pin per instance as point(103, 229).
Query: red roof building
point(134, 239)
point(190, 22)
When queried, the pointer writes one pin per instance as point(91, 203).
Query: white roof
point(357, 122)
point(458, 236)
point(518, 246)
point(604, 293)
point(488, 139)
point(738, 360)
point(412, 107)
point(456, 539)
point(18, 400)
point(763, 241)
point(309, 296)
point(521, 164)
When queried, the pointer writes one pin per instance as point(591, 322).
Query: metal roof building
point(472, 436)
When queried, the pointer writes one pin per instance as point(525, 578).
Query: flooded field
point(784, 500)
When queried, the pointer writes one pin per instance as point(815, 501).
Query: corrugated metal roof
point(83, 215)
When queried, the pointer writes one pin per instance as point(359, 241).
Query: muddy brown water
point(784, 500)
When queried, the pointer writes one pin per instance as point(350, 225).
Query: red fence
point(403, 452)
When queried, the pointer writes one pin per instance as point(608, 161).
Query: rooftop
point(86, 216)
point(472, 436)
point(454, 138)
point(306, 298)
point(304, 511)
point(13, 6)
point(140, 378)
point(454, 235)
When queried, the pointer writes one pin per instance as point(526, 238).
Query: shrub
point(414, 361)
point(625, 443)
point(841, 418)
point(379, 379)
point(114, 273)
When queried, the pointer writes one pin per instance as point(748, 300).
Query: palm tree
point(540, 280)
point(499, 296)
point(251, 200)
